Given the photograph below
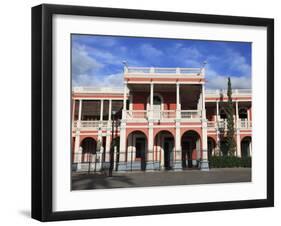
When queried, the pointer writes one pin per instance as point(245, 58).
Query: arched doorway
point(164, 149)
point(157, 107)
point(89, 147)
point(190, 145)
point(211, 146)
point(137, 150)
point(246, 147)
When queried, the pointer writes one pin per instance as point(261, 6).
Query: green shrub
point(229, 161)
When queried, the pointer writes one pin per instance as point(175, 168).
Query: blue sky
point(97, 60)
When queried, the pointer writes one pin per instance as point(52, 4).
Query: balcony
point(222, 124)
point(93, 125)
point(164, 115)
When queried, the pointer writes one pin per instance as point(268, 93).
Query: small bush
point(229, 161)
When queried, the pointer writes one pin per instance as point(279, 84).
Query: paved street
point(161, 178)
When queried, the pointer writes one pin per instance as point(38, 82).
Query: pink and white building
point(164, 119)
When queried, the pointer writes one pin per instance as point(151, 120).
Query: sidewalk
point(161, 178)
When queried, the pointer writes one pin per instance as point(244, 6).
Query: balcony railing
point(190, 114)
point(137, 114)
point(162, 115)
point(155, 70)
point(90, 124)
point(222, 124)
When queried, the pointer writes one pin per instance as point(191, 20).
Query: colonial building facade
point(164, 118)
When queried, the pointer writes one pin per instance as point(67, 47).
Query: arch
point(246, 146)
point(89, 148)
point(136, 130)
point(211, 146)
point(191, 148)
point(195, 129)
point(164, 144)
point(155, 95)
point(169, 130)
point(137, 149)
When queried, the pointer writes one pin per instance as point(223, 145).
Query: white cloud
point(110, 81)
point(81, 61)
point(220, 82)
point(189, 56)
point(216, 81)
point(237, 62)
point(148, 50)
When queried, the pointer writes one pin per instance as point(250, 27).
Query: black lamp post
point(112, 145)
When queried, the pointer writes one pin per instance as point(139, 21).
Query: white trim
point(91, 98)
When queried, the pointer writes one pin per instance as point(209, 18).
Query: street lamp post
point(112, 146)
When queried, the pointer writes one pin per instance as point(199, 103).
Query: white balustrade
point(91, 124)
point(222, 124)
point(152, 70)
point(190, 114)
point(136, 114)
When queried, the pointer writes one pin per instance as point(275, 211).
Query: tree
point(230, 142)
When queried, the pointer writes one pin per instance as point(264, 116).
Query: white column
point(238, 143)
point(131, 102)
point(178, 96)
point(217, 128)
point(124, 101)
point(101, 110)
point(149, 157)
point(178, 111)
point(108, 135)
point(237, 114)
point(122, 154)
point(77, 149)
point(198, 153)
point(109, 110)
point(203, 102)
point(79, 113)
point(250, 148)
point(248, 117)
point(178, 154)
point(123, 138)
point(238, 140)
point(217, 111)
point(73, 109)
point(107, 145)
point(115, 157)
point(204, 165)
point(130, 152)
point(100, 125)
point(151, 99)
point(178, 151)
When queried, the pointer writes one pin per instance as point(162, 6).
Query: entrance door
point(140, 151)
point(156, 107)
point(168, 152)
point(186, 154)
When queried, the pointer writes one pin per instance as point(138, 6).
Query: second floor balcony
point(222, 124)
point(162, 115)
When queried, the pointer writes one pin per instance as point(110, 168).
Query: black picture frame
point(42, 111)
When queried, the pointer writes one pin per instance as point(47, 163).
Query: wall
point(15, 85)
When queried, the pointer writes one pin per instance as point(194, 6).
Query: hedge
point(229, 161)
